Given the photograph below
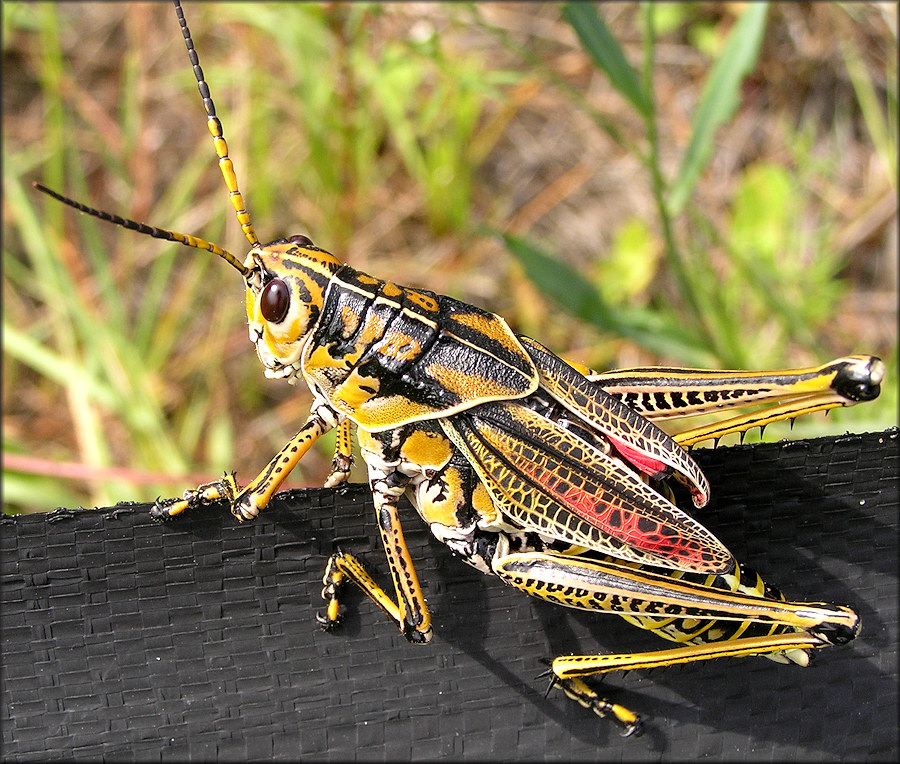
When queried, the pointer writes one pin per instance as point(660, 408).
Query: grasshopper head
point(286, 282)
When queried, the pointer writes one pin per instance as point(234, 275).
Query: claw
point(549, 672)
point(551, 684)
point(166, 509)
point(634, 728)
point(329, 624)
point(339, 475)
point(630, 722)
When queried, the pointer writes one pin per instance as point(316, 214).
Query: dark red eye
point(275, 301)
point(301, 241)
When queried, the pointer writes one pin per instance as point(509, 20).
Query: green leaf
point(572, 292)
point(719, 100)
point(626, 271)
point(762, 212)
point(602, 47)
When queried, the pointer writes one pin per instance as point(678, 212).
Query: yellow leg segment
point(573, 666)
point(761, 418)
point(247, 503)
point(409, 612)
point(343, 567)
point(343, 455)
point(668, 394)
point(567, 670)
point(609, 587)
point(581, 693)
point(415, 618)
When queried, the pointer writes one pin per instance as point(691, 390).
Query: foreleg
point(247, 503)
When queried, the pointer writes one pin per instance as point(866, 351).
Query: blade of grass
point(46, 362)
point(719, 100)
point(538, 68)
point(575, 294)
point(885, 143)
point(606, 53)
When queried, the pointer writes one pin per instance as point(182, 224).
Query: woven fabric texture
point(125, 639)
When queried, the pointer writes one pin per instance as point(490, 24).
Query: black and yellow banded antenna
point(157, 233)
point(225, 165)
point(215, 129)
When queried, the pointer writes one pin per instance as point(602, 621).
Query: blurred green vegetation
point(688, 183)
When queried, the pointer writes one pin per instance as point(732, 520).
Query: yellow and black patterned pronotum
point(549, 476)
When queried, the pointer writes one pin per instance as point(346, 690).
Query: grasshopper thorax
point(286, 281)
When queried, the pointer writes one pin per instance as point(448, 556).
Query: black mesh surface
point(126, 639)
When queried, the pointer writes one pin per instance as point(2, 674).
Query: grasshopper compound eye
point(275, 301)
point(301, 241)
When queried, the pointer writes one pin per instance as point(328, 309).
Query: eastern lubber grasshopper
point(552, 477)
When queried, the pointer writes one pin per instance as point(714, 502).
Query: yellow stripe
point(311, 262)
point(569, 666)
point(382, 300)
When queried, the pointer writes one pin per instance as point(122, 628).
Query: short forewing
point(548, 480)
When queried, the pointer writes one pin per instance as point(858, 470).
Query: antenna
point(149, 230)
point(215, 129)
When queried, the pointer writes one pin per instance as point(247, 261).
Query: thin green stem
point(658, 183)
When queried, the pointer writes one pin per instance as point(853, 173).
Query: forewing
point(548, 480)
